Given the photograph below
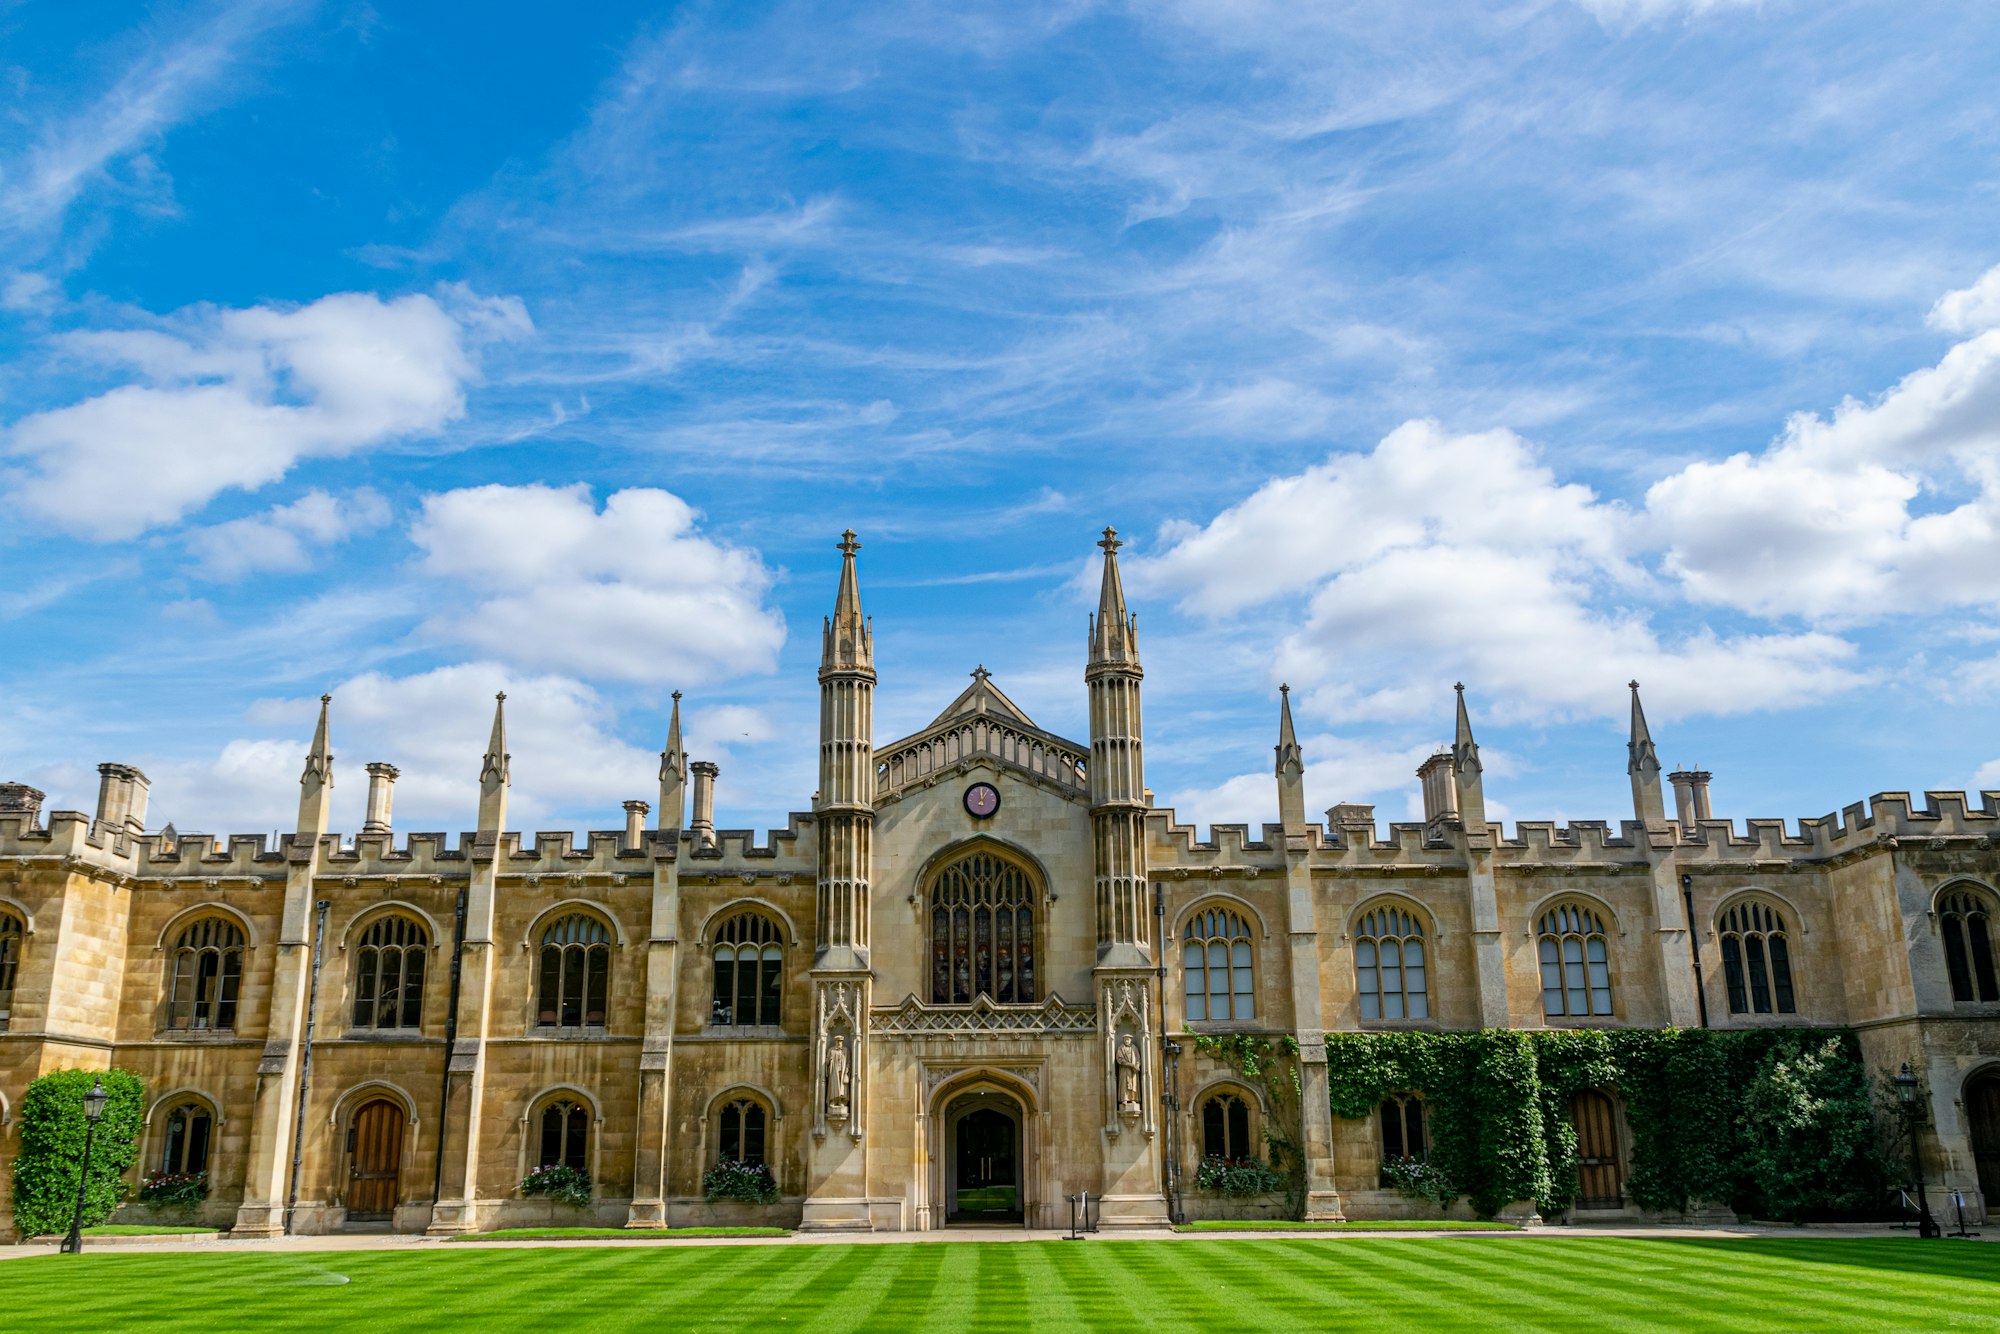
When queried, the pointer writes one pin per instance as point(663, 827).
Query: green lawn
point(1353, 1225)
point(620, 1233)
point(146, 1230)
point(1462, 1283)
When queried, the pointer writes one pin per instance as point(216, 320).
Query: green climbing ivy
point(1274, 1063)
point(1702, 1106)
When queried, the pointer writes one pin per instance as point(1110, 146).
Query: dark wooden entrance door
point(987, 1151)
point(1597, 1183)
point(377, 1150)
point(1982, 1109)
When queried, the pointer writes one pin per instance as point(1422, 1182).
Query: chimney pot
point(703, 823)
point(635, 824)
point(122, 793)
point(381, 796)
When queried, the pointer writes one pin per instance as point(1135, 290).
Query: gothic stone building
point(964, 985)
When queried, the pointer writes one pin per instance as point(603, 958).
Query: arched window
point(982, 932)
point(749, 971)
point(576, 970)
point(1757, 960)
point(1967, 921)
point(1216, 961)
point(184, 1144)
point(1576, 962)
point(1389, 965)
point(207, 976)
point(566, 1135)
point(1403, 1136)
point(10, 963)
point(740, 1132)
point(389, 974)
point(1225, 1127)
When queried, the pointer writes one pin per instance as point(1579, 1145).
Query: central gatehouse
point(974, 979)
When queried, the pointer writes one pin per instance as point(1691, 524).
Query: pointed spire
point(1288, 739)
point(1464, 750)
point(495, 772)
point(1291, 768)
point(673, 773)
point(316, 783)
point(849, 638)
point(1642, 757)
point(1649, 804)
point(1114, 632)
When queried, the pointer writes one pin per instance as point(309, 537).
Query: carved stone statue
point(1128, 1075)
point(837, 1074)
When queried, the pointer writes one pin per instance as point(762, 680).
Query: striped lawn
point(1442, 1284)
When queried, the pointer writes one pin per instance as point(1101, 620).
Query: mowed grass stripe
point(1552, 1284)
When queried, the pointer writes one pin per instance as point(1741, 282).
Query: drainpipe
point(306, 1061)
point(450, 1038)
point(1694, 947)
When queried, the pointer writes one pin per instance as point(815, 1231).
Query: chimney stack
point(635, 825)
point(1354, 821)
point(1440, 792)
point(381, 796)
point(122, 793)
point(703, 823)
point(19, 799)
point(1690, 796)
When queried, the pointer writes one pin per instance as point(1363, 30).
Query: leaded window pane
point(1760, 978)
point(1732, 975)
point(1781, 974)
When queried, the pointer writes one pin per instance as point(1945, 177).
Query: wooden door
point(377, 1155)
point(1982, 1109)
point(1597, 1183)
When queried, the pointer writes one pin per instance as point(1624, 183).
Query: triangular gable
point(982, 696)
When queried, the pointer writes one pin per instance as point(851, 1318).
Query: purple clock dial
point(981, 800)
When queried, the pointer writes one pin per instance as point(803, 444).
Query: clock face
point(982, 799)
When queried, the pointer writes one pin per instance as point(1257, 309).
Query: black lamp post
point(93, 1109)
point(1906, 1090)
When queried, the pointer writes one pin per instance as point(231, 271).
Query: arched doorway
point(375, 1160)
point(1598, 1183)
point(983, 1160)
point(1982, 1115)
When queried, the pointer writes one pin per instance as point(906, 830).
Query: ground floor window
point(565, 1136)
point(1225, 1127)
point(741, 1137)
point(184, 1149)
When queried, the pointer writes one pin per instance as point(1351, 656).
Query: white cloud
point(234, 398)
point(1632, 13)
point(281, 538)
point(1988, 777)
point(1467, 555)
point(631, 592)
point(1970, 309)
point(1337, 769)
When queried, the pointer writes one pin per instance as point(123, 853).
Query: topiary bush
point(51, 1156)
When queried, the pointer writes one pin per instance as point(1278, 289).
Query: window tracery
point(1217, 964)
point(1757, 960)
point(389, 974)
point(575, 973)
point(1389, 965)
point(1576, 962)
point(207, 978)
point(1965, 916)
point(749, 971)
point(982, 932)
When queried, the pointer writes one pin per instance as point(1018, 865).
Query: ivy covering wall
point(1780, 1123)
point(53, 1126)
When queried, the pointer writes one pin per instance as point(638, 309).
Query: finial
point(501, 696)
point(677, 697)
point(1110, 543)
point(1633, 685)
point(848, 546)
point(326, 699)
point(1284, 689)
point(1459, 686)
point(980, 673)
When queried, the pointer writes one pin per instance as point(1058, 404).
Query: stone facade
point(894, 1063)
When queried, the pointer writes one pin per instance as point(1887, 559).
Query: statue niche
point(982, 932)
point(1128, 1075)
point(839, 1079)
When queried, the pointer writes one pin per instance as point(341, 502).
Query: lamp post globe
point(1906, 1093)
point(93, 1111)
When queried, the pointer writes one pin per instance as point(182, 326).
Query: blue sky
point(414, 352)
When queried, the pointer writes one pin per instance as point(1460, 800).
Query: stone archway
point(985, 1137)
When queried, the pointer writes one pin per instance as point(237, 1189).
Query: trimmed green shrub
point(51, 1157)
point(1237, 1176)
point(747, 1183)
point(564, 1185)
point(1811, 1145)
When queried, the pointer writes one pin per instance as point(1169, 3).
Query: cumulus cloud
point(234, 398)
point(1971, 309)
point(1337, 769)
point(285, 537)
point(631, 592)
point(433, 726)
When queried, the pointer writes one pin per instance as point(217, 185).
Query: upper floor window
point(1216, 960)
point(1966, 917)
point(184, 1146)
point(1225, 1126)
point(740, 1134)
point(207, 975)
point(576, 972)
point(1757, 960)
point(1576, 962)
point(749, 970)
point(982, 932)
point(389, 974)
point(10, 963)
point(1389, 965)
point(566, 1135)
